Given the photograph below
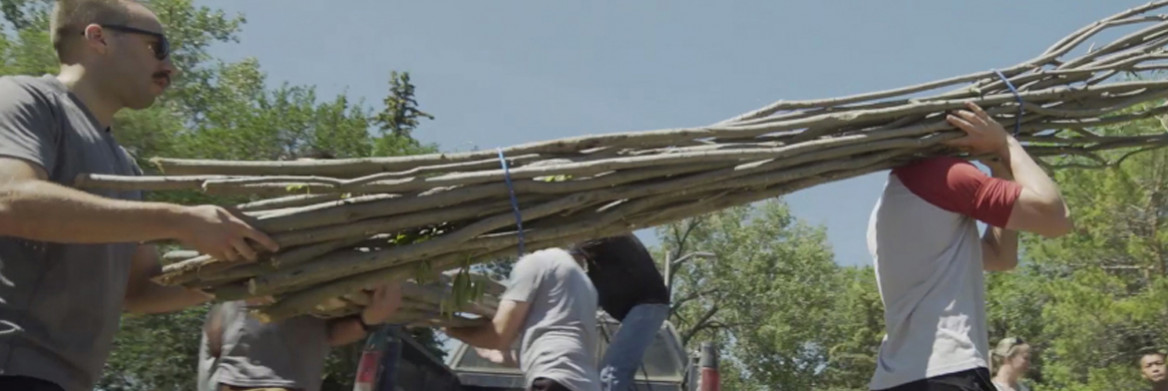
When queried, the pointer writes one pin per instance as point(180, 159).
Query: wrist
point(172, 219)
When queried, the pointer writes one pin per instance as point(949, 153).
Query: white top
point(928, 265)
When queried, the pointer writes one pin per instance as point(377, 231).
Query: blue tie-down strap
point(1018, 97)
point(514, 201)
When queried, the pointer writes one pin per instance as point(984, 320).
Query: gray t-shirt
point(60, 304)
point(288, 354)
point(559, 337)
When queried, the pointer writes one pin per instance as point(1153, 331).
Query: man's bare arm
point(213, 329)
point(1040, 208)
point(146, 297)
point(498, 334)
point(384, 301)
point(507, 358)
point(344, 331)
point(33, 208)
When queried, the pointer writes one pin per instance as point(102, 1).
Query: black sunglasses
point(161, 49)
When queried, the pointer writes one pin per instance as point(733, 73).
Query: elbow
point(1059, 221)
point(11, 196)
point(8, 223)
point(132, 300)
point(1046, 217)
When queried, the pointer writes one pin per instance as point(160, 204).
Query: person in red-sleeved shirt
point(929, 257)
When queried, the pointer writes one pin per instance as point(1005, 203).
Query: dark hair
point(620, 249)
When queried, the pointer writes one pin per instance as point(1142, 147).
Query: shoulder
point(947, 182)
point(540, 259)
point(21, 92)
point(557, 261)
point(43, 86)
point(937, 171)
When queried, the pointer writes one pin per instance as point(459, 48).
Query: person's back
point(624, 274)
point(632, 291)
point(58, 313)
point(239, 352)
point(559, 336)
point(288, 354)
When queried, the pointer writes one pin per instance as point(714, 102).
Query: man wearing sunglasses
point(71, 261)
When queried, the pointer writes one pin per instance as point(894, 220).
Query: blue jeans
point(627, 348)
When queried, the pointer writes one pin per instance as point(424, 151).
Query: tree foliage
point(221, 110)
point(785, 316)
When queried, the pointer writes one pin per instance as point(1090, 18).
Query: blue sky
point(500, 73)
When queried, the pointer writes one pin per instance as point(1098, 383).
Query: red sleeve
point(956, 185)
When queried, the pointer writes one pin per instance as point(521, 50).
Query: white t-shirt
point(928, 260)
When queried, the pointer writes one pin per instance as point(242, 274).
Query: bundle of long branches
point(346, 223)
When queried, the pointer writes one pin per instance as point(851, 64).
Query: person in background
point(1011, 360)
point(551, 307)
point(239, 352)
point(632, 291)
point(1153, 369)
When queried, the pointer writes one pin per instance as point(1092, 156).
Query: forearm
point(482, 336)
point(999, 249)
point(144, 296)
point(44, 211)
point(157, 299)
point(345, 331)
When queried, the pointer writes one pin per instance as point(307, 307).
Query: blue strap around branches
point(1018, 97)
point(514, 201)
